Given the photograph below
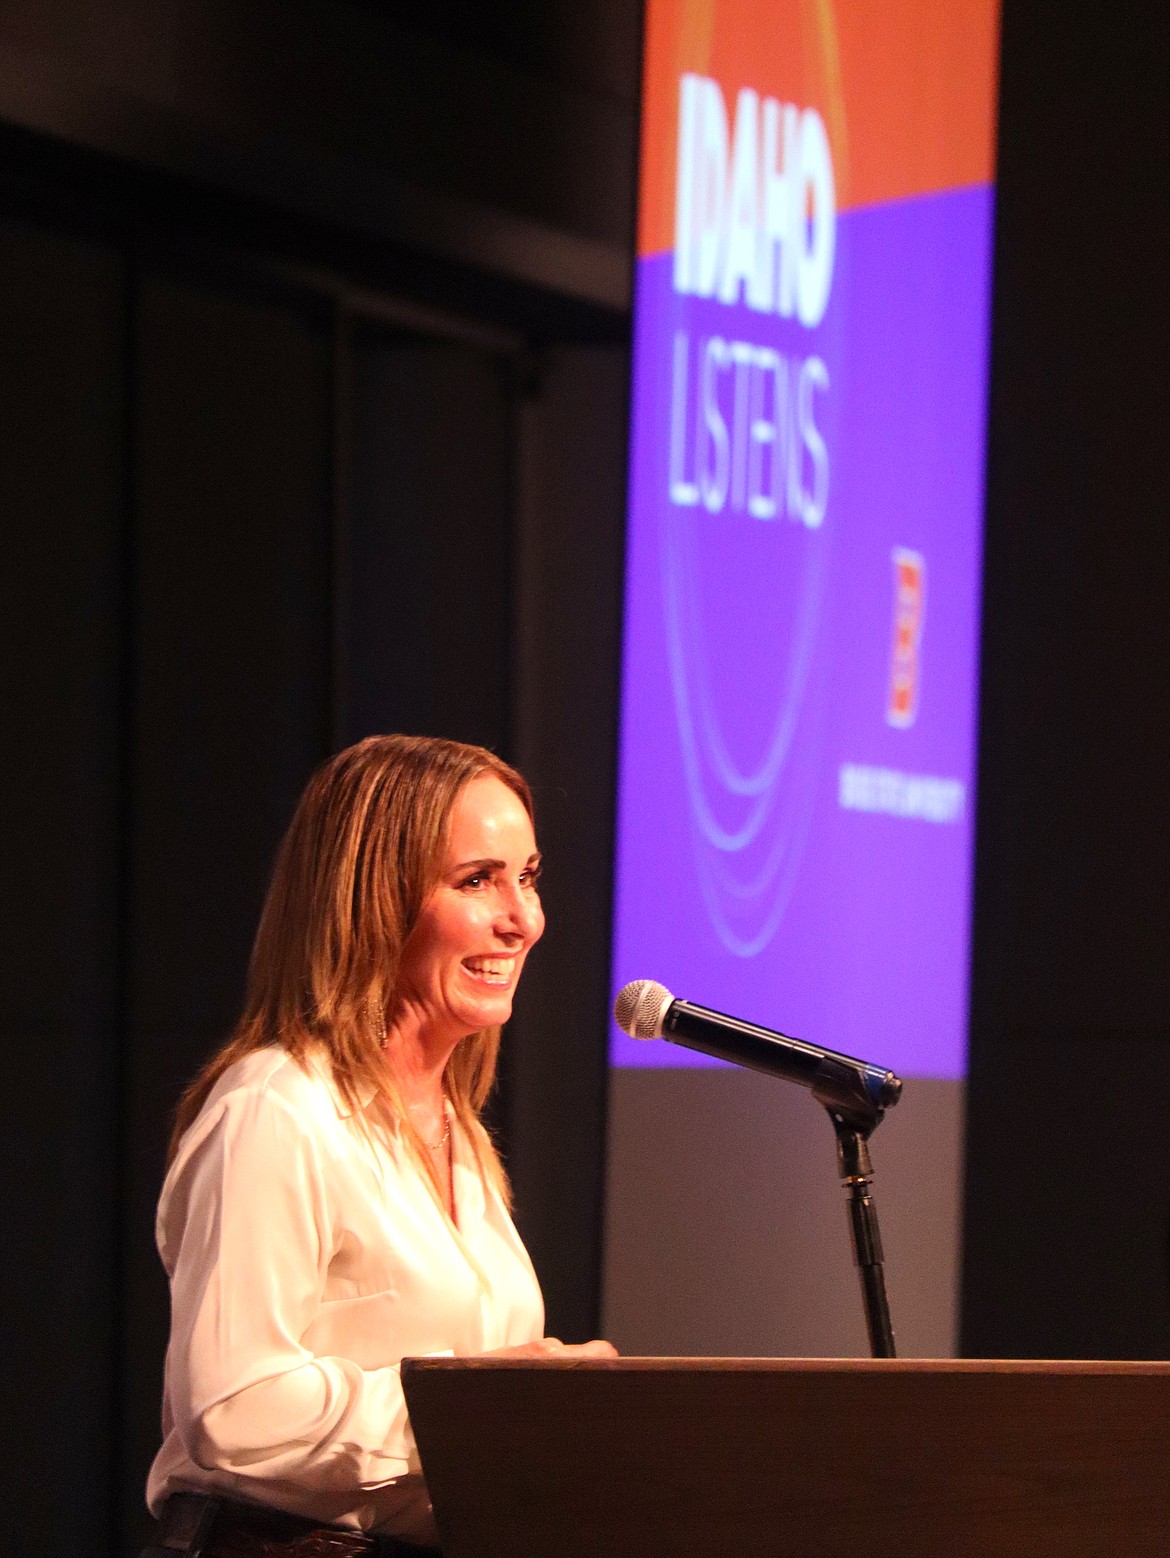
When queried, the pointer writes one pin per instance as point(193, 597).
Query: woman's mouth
point(491, 971)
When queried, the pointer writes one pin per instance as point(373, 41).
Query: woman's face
point(462, 961)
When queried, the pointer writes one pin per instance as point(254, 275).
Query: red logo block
point(909, 609)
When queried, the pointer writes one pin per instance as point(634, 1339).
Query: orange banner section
point(906, 89)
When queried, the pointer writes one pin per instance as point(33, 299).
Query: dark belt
point(199, 1526)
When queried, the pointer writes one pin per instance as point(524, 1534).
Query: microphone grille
point(640, 1007)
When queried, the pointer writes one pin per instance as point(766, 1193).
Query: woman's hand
point(551, 1347)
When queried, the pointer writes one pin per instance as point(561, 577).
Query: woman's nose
point(520, 913)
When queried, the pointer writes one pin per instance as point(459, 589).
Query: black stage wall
point(1068, 1211)
point(311, 423)
point(313, 327)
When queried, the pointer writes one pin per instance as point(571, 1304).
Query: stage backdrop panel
point(796, 802)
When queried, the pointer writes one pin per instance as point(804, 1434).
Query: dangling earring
point(378, 1018)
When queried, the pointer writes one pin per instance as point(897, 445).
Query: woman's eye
point(532, 877)
point(474, 881)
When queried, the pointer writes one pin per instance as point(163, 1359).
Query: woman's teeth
point(494, 971)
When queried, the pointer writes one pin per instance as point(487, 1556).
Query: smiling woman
point(463, 958)
point(333, 1202)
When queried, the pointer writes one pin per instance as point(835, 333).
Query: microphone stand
point(855, 1116)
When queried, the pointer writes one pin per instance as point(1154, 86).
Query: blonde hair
point(360, 857)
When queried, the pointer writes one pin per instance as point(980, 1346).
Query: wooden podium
point(737, 1457)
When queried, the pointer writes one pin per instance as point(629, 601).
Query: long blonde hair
point(360, 857)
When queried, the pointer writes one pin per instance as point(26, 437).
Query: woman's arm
point(247, 1233)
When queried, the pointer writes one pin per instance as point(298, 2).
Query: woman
point(332, 1202)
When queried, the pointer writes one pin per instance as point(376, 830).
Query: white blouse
point(305, 1263)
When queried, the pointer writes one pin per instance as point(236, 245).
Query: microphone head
point(640, 1007)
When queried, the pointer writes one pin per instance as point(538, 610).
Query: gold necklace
point(435, 1146)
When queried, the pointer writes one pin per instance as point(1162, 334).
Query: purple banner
point(796, 794)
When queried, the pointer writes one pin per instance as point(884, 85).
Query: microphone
point(857, 1091)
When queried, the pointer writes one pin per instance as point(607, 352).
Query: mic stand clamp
point(855, 1116)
